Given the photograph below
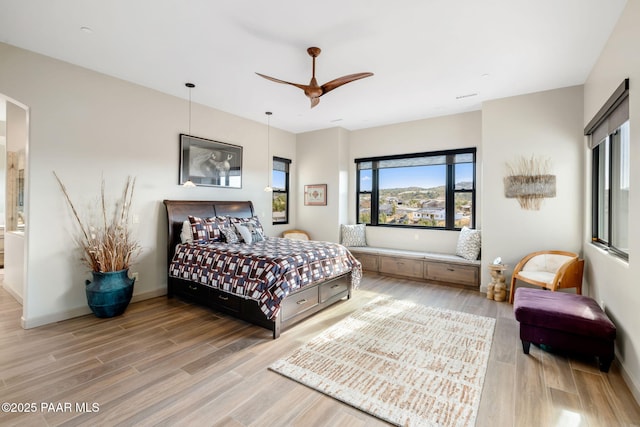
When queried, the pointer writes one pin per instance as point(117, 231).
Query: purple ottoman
point(563, 321)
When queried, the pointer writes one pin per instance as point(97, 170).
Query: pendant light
point(268, 188)
point(189, 183)
point(190, 86)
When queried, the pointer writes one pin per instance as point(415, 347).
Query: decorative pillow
point(206, 230)
point(468, 244)
point(253, 219)
point(229, 234)
point(221, 222)
point(249, 232)
point(353, 235)
point(248, 229)
point(186, 235)
point(199, 229)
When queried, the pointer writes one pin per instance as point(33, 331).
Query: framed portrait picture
point(315, 195)
point(210, 163)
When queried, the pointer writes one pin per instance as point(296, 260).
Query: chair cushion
point(538, 276)
point(576, 314)
point(546, 262)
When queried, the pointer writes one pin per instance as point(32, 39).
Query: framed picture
point(210, 163)
point(315, 195)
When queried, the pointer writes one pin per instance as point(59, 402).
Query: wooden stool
point(497, 289)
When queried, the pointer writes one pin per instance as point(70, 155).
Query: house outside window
point(609, 143)
point(427, 190)
point(280, 185)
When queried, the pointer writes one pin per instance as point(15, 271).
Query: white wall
point(610, 279)
point(320, 156)
point(344, 177)
point(545, 125)
point(442, 133)
point(84, 125)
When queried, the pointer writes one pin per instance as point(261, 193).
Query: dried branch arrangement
point(107, 243)
point(529, 180)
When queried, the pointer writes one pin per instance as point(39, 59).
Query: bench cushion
point(435, 256)
point(577, 314)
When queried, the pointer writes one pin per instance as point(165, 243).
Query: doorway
point(13, 140)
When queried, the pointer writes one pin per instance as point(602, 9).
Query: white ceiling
point(424, 53)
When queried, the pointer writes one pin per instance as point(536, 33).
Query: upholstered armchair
point(551, 270)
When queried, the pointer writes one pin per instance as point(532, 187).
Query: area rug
point(402, 362)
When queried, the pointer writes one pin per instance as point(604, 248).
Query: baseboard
point(81, 311)
point(148, 295)
point(633, 387)
point(13, 293)
point(54, 317)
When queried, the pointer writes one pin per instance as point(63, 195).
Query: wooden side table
point(497, 289)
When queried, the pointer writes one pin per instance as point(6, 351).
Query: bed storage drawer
point(405, 267)
point(454, 273)
point(225, 301)
point(299, 302)
point(194, 290)
point(328, 290)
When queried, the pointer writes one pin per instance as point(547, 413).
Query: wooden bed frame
point(295, 307)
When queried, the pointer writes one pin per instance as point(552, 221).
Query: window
point(609, 143)
point(280, 185)
point(435, 190)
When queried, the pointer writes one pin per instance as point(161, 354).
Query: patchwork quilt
point(265, 271)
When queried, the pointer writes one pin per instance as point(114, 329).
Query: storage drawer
point(295, 304)
point(327, 290)
point(195, 290)
point(225, 301)
point(369, 262)
point(401, 266)
point(453, 273)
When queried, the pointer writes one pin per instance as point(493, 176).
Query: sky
point(278, 179)
point(416, 176)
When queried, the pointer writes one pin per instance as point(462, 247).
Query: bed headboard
point(179, 210)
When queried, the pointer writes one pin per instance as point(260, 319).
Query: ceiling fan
point(313, 90)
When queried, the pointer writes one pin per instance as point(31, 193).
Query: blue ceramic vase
point(109, 293)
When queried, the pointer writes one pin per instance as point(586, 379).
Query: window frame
point(286, 191)
point(450, 190)
point(601, 131)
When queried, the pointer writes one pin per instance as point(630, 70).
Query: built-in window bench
point(435, 267)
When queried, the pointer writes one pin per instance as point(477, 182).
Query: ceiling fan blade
point(273, 79)
point(329, 86)
point(314, 91)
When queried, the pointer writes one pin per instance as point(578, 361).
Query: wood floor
point(166, 362)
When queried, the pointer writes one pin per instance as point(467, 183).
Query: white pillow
point(469, 244)
point(353, 235)
point(186, 235)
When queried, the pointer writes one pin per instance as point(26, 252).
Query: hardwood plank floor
point(166, 362)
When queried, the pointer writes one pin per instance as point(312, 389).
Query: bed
point(273, 283)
